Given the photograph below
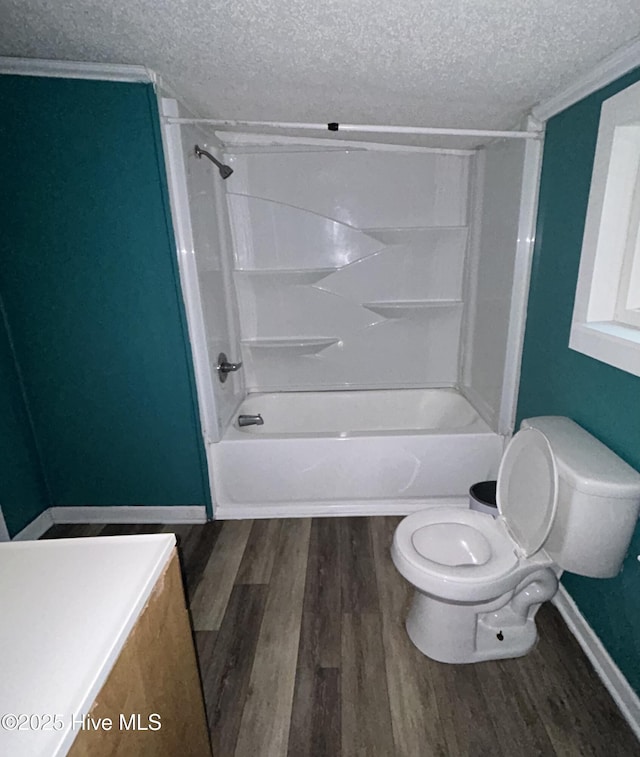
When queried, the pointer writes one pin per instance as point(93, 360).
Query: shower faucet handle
point(224, 367)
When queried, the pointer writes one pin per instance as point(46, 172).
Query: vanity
point(97, 652)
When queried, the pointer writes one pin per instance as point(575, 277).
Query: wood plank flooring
point(302, 652)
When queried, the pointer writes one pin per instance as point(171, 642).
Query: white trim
point(165, 92)
point(4, 531)
point(124, 514)
point(608, 224)
point(363, 128)
point(607, 71)
point(130, 514)
point(36, 528)
point(333, 509)
point(610, 674)
point(187, 265)
point(67, 69)
point(236, 142)
point(529, 192)
point(611, 343)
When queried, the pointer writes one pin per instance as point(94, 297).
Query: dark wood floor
point(302, 651)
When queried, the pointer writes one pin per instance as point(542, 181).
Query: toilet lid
point(527, 493)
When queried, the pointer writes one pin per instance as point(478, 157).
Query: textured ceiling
point(464, 63)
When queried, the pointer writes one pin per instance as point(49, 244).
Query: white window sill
point(608, 342)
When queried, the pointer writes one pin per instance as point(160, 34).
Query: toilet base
point(462, 633)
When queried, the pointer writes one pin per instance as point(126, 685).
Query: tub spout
point(250, 420)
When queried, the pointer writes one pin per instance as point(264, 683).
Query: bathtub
point(351, 453)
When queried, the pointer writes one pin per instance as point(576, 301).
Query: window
point(606, 315)
point(628, 299)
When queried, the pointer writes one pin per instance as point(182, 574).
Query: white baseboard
point(36, 528)
point(610, 674)
point(124, 514)
point(130, 514)
point(331, 509)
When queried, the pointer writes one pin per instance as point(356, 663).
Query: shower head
point(225, 171)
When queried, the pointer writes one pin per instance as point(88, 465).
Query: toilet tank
point(598, 500)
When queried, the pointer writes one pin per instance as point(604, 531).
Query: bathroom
point(388, 297)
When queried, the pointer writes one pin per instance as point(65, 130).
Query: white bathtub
point(352, 452)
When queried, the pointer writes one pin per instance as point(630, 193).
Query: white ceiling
point(463, 63)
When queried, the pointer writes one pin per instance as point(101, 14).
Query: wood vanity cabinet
point(155, 675)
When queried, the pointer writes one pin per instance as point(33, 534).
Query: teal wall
point(558, 381)
point(23, 492)
point(90, 285)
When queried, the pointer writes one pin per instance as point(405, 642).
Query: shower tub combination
point(352, 453)
point(354, 290)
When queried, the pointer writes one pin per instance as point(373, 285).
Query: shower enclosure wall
point(370, 296)
point(201, 226)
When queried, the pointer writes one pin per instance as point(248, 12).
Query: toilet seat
point(527, 490)
point(432, 549)
point(431, 570)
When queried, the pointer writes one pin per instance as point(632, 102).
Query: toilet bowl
point(458, 555)
point(565, 502)
point(466, 569)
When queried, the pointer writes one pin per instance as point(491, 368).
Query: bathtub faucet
point(250, 420)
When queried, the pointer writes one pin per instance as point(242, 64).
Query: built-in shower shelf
point(409, 308)
point(291, 346)
point(289, 276)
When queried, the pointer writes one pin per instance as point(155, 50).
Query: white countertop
point(67, 607)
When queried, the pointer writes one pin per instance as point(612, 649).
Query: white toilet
point(566, 502)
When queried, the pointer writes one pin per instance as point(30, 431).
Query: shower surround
point(376, 300)
point(349, 267)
